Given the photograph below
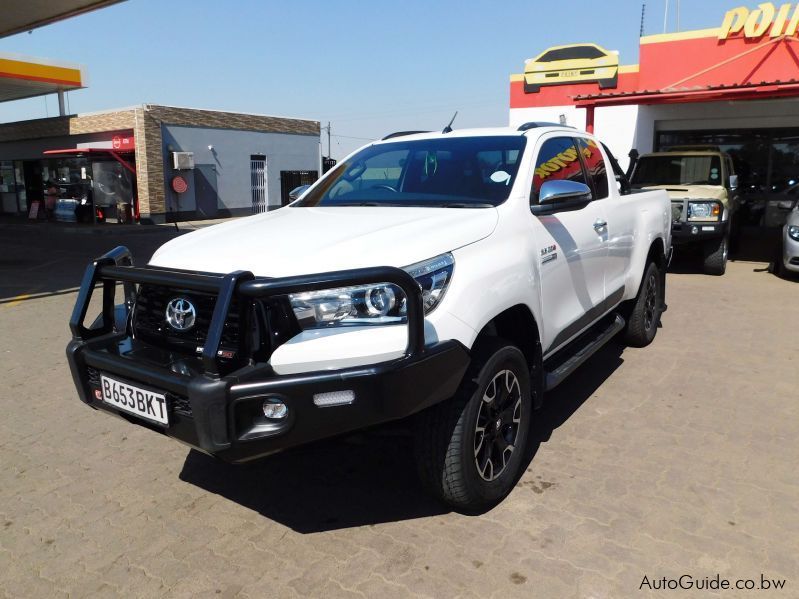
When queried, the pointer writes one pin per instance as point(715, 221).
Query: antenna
point(643, 13)
point(448, 128)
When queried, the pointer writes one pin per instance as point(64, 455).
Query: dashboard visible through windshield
point(459, 172)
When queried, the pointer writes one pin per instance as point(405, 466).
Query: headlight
point(383, 303)
point(793, 232)
point(704, 211)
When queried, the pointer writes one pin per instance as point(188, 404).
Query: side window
point(557, 159)
point(595, 165)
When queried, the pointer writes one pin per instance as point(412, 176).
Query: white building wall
point(616, 127)
point(575, 117)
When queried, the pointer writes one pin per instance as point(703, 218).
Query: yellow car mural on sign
point(575, 63)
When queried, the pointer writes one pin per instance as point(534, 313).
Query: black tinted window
point(459, 171)
point(575, 52)
point(677, 170)
point(595, 165)
point(557, 159)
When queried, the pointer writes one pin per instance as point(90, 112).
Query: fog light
point(694, 230)
point(334, 398)
point(275, 409)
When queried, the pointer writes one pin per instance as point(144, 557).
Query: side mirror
point(733, 182)
point(561, 195)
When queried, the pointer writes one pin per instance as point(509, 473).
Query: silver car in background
point(787, 259)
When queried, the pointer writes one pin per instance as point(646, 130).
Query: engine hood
point(296, 241)
point(693, 192)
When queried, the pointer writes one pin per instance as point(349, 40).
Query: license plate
point(135, 400)
point(569, 73)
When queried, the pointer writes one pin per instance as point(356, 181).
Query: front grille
point(93, 376)
point(149, 320)
point(178, 403)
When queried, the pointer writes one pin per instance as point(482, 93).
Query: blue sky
point(368, 67)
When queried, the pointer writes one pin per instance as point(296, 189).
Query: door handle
point(600, 224)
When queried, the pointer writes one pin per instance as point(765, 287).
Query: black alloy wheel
point(472, 448)
point(651, 302)
point(497, 426)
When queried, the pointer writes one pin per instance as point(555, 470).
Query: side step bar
point(586, 346)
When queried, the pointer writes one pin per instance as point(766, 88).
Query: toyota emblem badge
point(180, 314)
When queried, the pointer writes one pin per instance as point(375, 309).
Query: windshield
point(572, 53)
point(677, 170)
point(457, 172)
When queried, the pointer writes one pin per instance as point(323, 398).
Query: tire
point(459, 447)
point(715, 256)
point(644, 317)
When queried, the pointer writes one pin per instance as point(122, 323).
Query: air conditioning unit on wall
point(182, 161)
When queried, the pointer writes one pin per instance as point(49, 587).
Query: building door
point(34, 182)
point(205, 191)
point(8, 188)
point(292, 179)
point(260, 197)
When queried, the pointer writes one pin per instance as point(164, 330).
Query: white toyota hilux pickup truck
point(453, 276)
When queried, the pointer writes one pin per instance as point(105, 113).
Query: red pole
point(589, 118)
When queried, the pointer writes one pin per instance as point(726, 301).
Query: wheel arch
point(518, 325)
point(656, 254)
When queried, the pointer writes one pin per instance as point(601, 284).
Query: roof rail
point(401, 134)
point(536, 124)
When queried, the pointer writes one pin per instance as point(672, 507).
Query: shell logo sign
point(756, 23)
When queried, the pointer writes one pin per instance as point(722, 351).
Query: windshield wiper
point(467, 205)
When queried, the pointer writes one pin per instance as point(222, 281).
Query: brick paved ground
point(676, 459)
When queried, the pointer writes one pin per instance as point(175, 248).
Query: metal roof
point(23, 77)
point(743, 91)
point(24, 15)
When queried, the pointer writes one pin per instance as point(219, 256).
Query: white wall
point(616, 126)
point(231, 156)
point(575, 117)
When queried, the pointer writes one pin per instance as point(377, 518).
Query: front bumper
point(691, 232)
point(224, 416)
point(586, 73)
point(790, 252)
point(221, 414)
